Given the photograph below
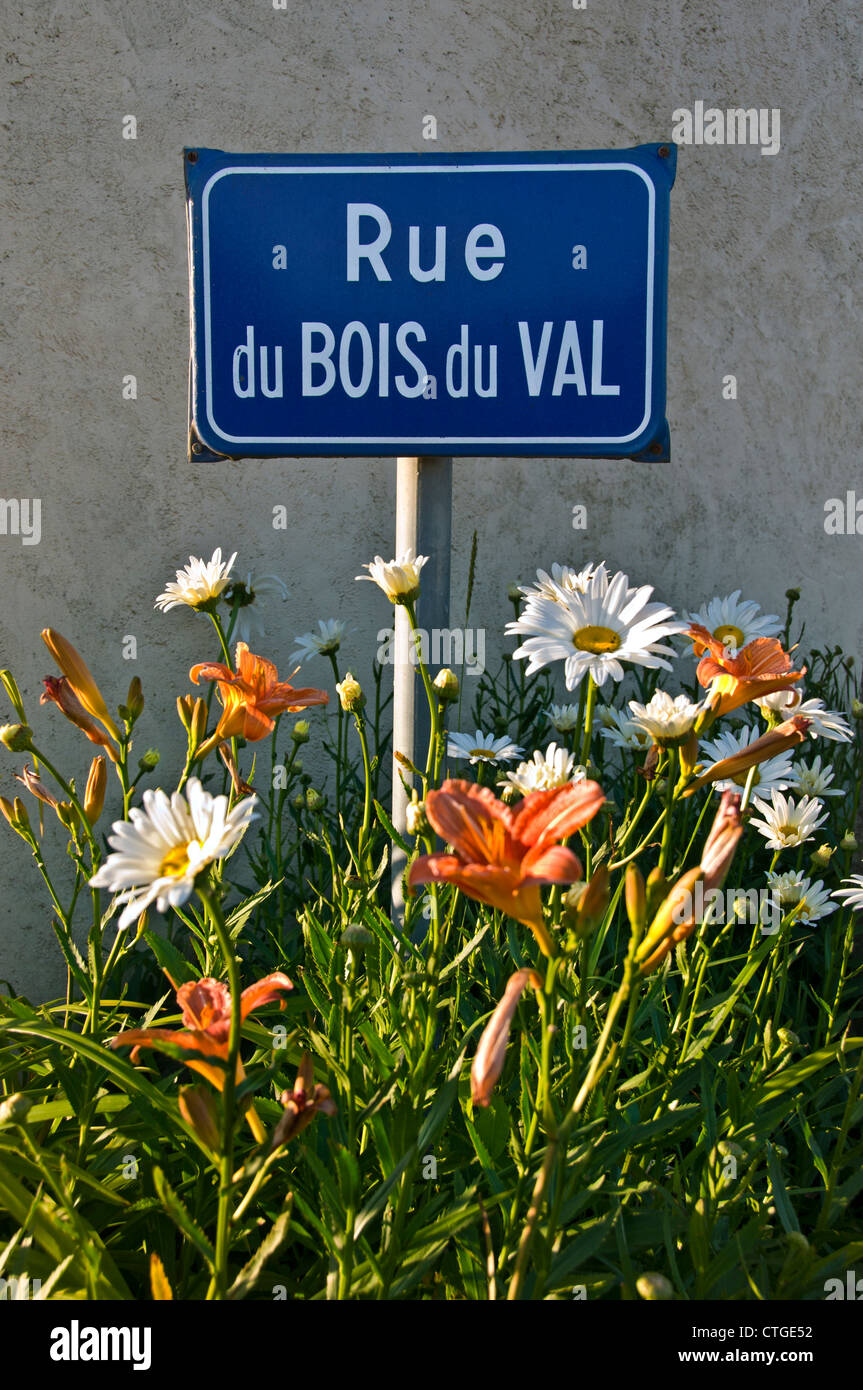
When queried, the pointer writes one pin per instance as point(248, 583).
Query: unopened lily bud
point(314, 800)
point(135, 699)
point(416, 820)
point(13, 1110)
point(18, 738)
point(10, 685)
point(820, 857)
point(10, 811)
point(59, 691)
point(656, 888)
point(351, 697)
point(357, 937)
point(75, 669)
point(689, 755)
point(198, 1108)
point(22, 820)
point(673, 922)
point(655, 1288)
point(787, 1038)
point(509, 794)
point(185, 705)
point(491, 1052)
point(67, 816)
point(149, 761)
point(447, 686)
point(636, 898)
point(848, 842)
point(592, 904)
point(300, 732)
point(94, 795)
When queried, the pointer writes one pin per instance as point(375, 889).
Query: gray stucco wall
point(763, 261)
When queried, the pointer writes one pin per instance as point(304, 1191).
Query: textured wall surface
point(764, 255)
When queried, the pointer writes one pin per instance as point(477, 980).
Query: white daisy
point(160, 851)
point(482, 748)
point(623, 732)
point(198, 583)
point(248, 625)
point(786, 824)
point(562, 577)
point(774, 773)
point(400, 578)
point(594, 631)
point(734, 621)
point(563, 718)
point(826, 723)
point(811, 779)
point(322, 643)
point(553, 768)
point(667, 720)
point(794, 889)
point(853, 895)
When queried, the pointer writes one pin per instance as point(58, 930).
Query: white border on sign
point(437, 440)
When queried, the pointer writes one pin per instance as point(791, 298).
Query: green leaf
point(250, 1274)
point(181, 1217)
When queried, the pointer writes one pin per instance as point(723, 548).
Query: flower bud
point(820, 857)
point(18, 738)
point(857, 709)
point(636, 898)
point(314, 800)
point(357, 937)
point(792, 594)
point(36, 786)
point(447, 686)
point(75, 669)
point(149, 761)
point(416, 820)
point(134, 699)
point(185, 705)
point(94, 795)
point(514, 593)
point(848, 842)
point(655, 1288)
point(509, 794)
point(300, 732)
point(491, 1052)
point(298, 802)
point(13, 1110)
point(16, 815)
point(656, 889)
point(67, 816)
point(10, 685)
point(198, 1108)
point(787, 1038)
point(351, 697)
point(592, 903)
point(198, 722)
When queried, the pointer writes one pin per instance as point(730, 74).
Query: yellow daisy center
point(483, 753)
point(596, 639)
point(176, 862)
point(729, 635)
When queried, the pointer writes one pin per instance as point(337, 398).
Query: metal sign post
point(423, 525)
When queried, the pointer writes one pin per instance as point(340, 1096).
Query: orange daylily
point(206, 1009)
point(756, 670)
point(252, 696)
point(491, 1053)
point(769, 745)
point(76, 671)
point(503, 854)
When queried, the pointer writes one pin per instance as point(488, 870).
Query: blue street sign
point(506, 304)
